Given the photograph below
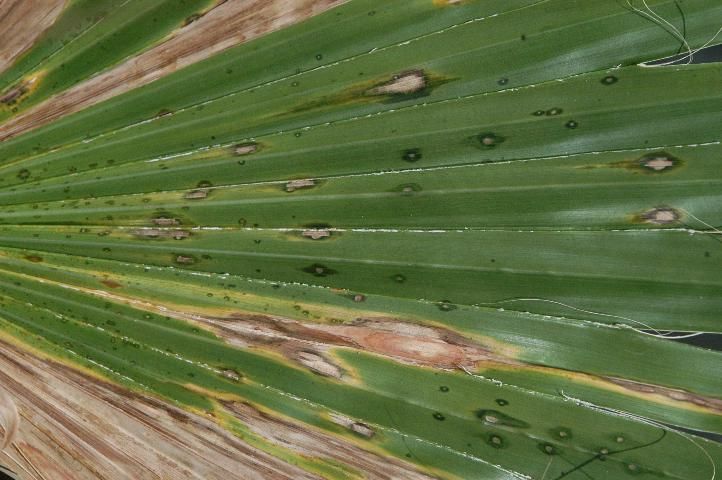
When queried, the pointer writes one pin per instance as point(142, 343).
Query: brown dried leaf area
point(402, 84)
point(315, 444)
point(228, 24)
point(305, 343)
point(310, 346)
point(23, 21)
point(17, 91)
point(712, 404)
point(61, 424)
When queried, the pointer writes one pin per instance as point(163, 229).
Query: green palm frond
point(364, 239)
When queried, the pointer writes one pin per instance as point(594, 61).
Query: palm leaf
point(362, 239)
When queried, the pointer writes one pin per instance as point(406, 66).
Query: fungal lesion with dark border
point(411, 155)
point(319, 270)
point(317, 231)
point(165, 221)
point(184, 259)
point(495, 441)
point(552, 112)
point(653, 163)
point(202, 190)
point(245, 148)
point(404, 83)
point(485, 141)
point(299, 184)
point(662, 215)
point(488, 140)
point(446, 306)
point(316, 234)
point(497, 418)
point(197, 194)
point(407, 85)
point(396, 87)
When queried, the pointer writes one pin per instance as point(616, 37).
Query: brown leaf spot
point(404, 83)
point(356, 427)
point(198, 194)
point(315, 234)
point(165, 221)
point(185, 260)
point(300, 183)
point(318, 364)
point(661, 216)
point(111, 283)
point(245, 148)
